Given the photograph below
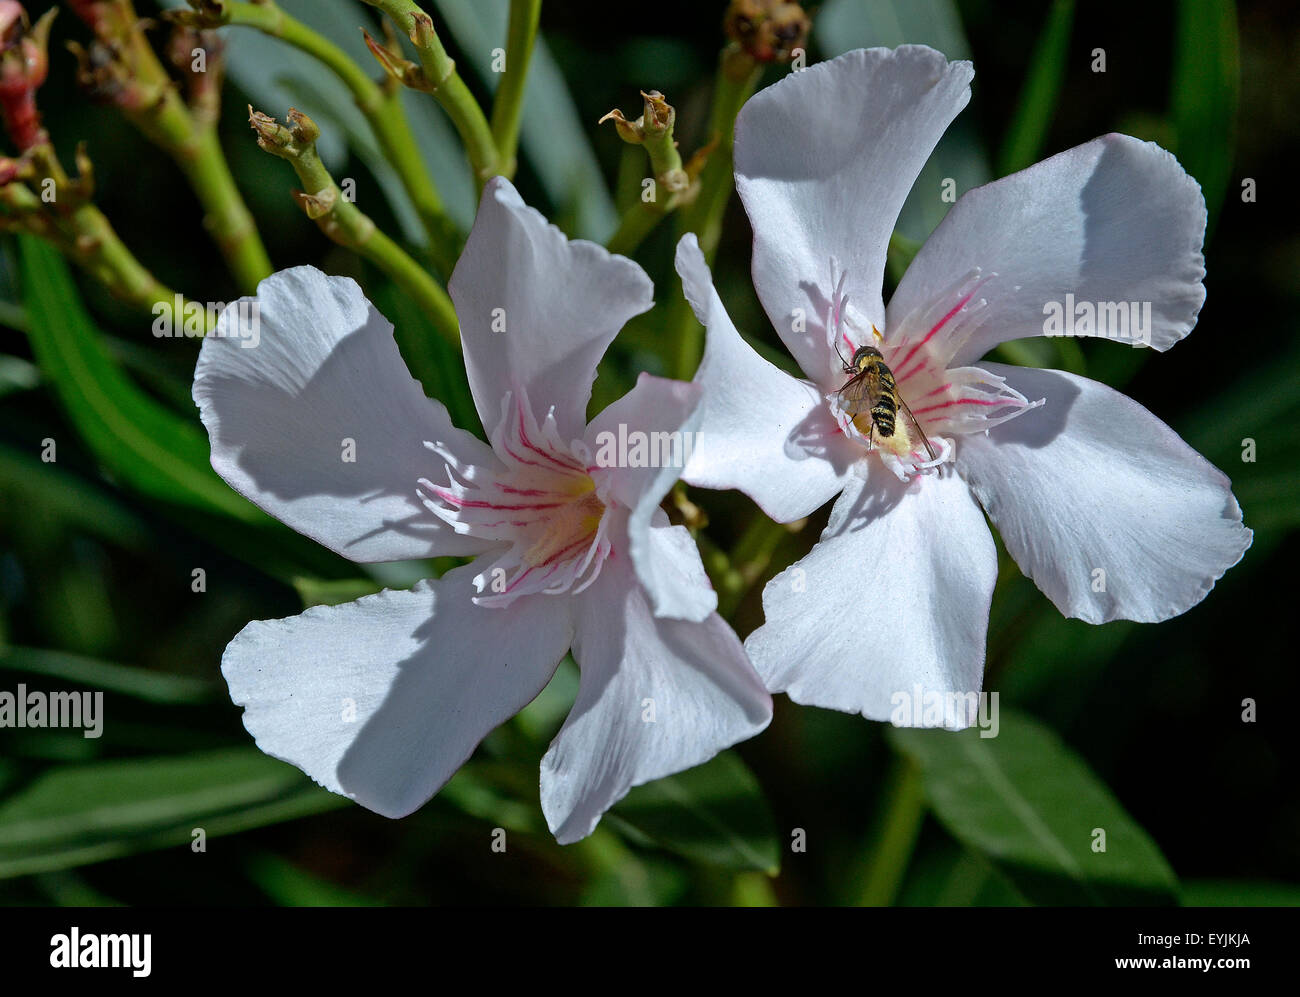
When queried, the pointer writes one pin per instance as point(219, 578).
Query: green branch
point(72, 224)
point(895, 836)
point(508, 105)
point(653, 131)
point(738, 75)
point(381, 106)
point(122, 63)
point(344, 222)
point(436, 75)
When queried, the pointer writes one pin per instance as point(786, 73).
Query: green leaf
point(68, 500)
point(156, 452)
point(1028, 804)
point(67, 889)
point(947, 875)
point(622, 877)
point(333, 591)
point(290, 886)
point(1033, 115)
point(1206, 85)
point(146, 446)
point(1239, 893)
point(139, 683)
point(495, 792)
point(78, 814)
point(715, 813)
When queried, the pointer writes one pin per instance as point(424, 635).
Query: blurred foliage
point(1133, 729)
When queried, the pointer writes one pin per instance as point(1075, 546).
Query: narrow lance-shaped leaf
point(715, 813)
point(1032, 807)
point(1206, 84)
point(141, 442)
point(156, 452)
point(79, 814)
point(1027, 133)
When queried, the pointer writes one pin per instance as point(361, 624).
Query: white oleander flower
point(383, 699)
point(1101, 504)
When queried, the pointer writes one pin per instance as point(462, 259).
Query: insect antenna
point(836, 343)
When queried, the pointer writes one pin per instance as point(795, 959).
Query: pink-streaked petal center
point(541, 505)
point(930, 403)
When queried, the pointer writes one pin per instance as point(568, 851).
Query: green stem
point(737, 77)
point(508, 105)
point(81, 232)
point(382, 108)
point(189, 137)
point(896, 836)
point(637, 222)
point(346, 224)
point(672, 182)
point(227, 217)
point(750, 558)
point(93, 245)
point(445, 84)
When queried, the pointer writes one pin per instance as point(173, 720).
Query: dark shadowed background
point(95, 575)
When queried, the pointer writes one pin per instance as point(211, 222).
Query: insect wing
point(860, 391)
point(929, 447)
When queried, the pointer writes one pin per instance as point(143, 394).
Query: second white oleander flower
point(1100, 503)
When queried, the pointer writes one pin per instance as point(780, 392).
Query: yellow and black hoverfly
point(870, 398)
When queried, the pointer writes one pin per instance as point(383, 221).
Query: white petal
point(824, 161)
point(895, 595)
point(695, 678)
point(324, 376)
point(384, 698)
point(762, 431)
point(671, 572)
point(662, 415)
point(1093, 482)
point(557, 303)
point(1113, 220)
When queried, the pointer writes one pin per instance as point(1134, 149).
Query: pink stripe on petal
point(939, 325)
point(998, 402)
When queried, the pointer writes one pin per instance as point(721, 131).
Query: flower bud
point(271, 135)
point(24, 63)
point(767, 30)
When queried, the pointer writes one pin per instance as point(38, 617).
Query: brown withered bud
point(197, 55)
point(285, 141)
point(106, 78)
point(203, 15)
point(629, 131)
point(396, 65)
point(768, 30)
point(656, 120)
